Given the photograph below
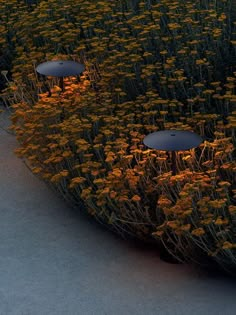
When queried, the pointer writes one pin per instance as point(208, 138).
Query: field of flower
point(150, 65)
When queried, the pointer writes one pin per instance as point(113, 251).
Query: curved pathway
point(55, 261)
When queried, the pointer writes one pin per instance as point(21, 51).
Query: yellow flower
point(198, 232)
point(101, 203)
point(218, 203)
point(221, 221)
point(173, 224)
point(64, 173)
point(158, 233)
point(187, 213)
point(232, 209)
point(95, 172)
point(199, 84)
point(56, 89)
point(224, 184)
point(57, 159)
point(76, 181)
point(117, 172)
point(37, 170)
point(206, 221)
point(56, 178)
point(227, 245)
point(113, 194)
point(123, 198)
point(136, 198)
point(186, 158)
point(222, 17)
point(185, 227)
point(110, 158)
point(174, 26)
point(163, 201)
point(105, 191)
point(98, 181)
point(200, 61)
point(67, 154)
point(163, 112)
point(183, 194)
point(85, 194)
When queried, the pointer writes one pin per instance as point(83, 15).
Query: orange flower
point(198, 232)
point(185, 227)
point(136, 198)
point(221, 221)
point(76, 181)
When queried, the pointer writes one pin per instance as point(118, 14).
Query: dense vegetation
point(150, 65)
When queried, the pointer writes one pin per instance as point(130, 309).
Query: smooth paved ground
point(55, 261)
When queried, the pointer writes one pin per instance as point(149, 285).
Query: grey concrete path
point(54, 261)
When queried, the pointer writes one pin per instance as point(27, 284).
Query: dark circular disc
point(60, 68)
point(172, 140)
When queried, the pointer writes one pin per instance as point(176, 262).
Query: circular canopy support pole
point(173, 163)
point(61, 84)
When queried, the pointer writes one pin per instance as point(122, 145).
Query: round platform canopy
point(172, 140)
point(60, 68)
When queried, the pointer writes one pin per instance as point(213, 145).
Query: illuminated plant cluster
point(150, 65)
